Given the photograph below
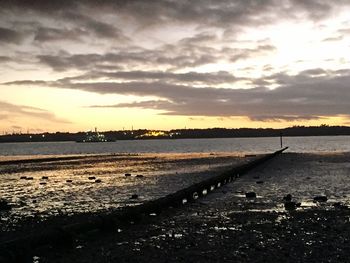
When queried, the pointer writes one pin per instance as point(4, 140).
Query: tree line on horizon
point(323, 130)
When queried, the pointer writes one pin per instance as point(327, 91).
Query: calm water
point(245, 145)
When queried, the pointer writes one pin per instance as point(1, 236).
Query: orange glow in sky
point(72, 67)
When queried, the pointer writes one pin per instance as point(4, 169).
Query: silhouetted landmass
point(143, 134)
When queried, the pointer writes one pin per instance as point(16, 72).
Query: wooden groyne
point(63, 235)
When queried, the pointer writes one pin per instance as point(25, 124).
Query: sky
point(166, 64)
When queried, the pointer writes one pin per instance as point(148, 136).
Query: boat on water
point(94, 136)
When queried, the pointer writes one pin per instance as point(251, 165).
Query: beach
point(227, 226)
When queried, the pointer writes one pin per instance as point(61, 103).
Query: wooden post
point(281, 140)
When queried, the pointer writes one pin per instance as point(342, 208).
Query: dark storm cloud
point(10, 36)
point(202, 12)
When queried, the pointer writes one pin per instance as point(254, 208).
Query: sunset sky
point(163, 64)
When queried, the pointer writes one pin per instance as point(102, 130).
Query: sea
point(97, 182)
point(237, 145)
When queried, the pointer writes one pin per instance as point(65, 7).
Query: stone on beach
point(250, 195)
point(23, 177)
point(45, 178)
point(127, 175)
point(4, 205)
point(320, 198)
point(139, 176)
point(339, 205)
point(259, 182)
point(290, 205)
point(98, 181)
point(287, 198)
point(91, 177)
point(69, 181)
point(134, 196)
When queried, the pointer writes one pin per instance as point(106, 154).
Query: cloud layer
point(194, 58)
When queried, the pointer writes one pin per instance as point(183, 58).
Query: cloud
point(45, 34)
point(10, 36)
point(8, 111)
point(312, 93)
point(305, 96)
point(4, 59)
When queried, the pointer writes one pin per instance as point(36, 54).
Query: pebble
point(290, 205)
point(127, 175)
point(98, 181)
point(134, 196)
point(45, 178)
point(250, 195)
point(259, 182)
point(139, 176)
point(320, 198)
point(4, 205)
point(287, 198)
point(92, 177)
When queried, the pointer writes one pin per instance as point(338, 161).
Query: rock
point(23, 177)
point(92, 177)
point(69, 181)
point(98, 181)
point(320, 198)
point(339, 205)
point(4, 205)
point(127, 175)
point(250, 195)
point(259, 182)
point(29, 178)
point(42, 183)
point(139, 176)
point(134, 196)
point(287, 198)
point(290, 205)
point(45, 178)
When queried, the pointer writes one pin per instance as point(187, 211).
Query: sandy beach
point(226, 226)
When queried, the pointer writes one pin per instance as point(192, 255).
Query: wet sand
point(225, 226)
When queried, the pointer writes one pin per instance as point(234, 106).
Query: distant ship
point(94, 137)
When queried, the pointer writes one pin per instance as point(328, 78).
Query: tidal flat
point(227, 226)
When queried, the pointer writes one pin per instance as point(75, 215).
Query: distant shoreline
point(212, 133)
